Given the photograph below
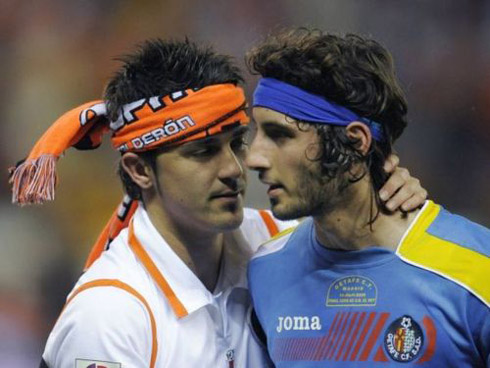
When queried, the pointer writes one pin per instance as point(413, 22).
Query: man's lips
point(227, 194)
point(274, 189)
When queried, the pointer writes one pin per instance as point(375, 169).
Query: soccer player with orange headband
point(165, 285)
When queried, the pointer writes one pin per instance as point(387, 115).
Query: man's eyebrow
point(278, 124)
point(201, 142)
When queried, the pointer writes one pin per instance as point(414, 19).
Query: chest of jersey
point(391, 314)
point(375, 316)
point(424, 306)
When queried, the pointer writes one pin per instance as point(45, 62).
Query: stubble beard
point(315, 195)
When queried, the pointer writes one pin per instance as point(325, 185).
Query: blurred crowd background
point(57, 54)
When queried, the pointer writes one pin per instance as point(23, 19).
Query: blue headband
point(299, 104)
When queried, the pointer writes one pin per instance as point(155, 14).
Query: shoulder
point(118, 262)
point(452, 247)
point(105, 303)
point(298, 234)
point(458, 230)
point(260, 225)
point(275, 244)
point(101, 319)
point(265, 219)
point(110, 309)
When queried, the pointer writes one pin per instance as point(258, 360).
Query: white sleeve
point(105, 324)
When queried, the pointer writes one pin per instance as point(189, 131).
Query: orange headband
point(142, 125)
point(179, 117)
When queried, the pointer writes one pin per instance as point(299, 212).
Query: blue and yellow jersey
point(425, 305)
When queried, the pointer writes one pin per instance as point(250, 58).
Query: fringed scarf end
point(33, 181)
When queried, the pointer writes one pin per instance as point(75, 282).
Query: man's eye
point(277, 134)
point(204, 152)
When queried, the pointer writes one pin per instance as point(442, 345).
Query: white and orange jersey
point(139, 305)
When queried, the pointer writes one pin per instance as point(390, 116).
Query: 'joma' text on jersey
point(298, 323)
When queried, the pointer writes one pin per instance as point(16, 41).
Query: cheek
point(178, 184)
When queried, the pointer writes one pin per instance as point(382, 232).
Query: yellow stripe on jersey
point(281, 234)
point(452, 261)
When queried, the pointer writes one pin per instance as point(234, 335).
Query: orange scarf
point(142, 125)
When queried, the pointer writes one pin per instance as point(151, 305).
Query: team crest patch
point(87, 363)
point(352, 291)
point(403, 339)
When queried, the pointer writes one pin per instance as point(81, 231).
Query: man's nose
point(257, 157)
point(232, 166)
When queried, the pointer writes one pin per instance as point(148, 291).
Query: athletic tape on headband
point(302, 105)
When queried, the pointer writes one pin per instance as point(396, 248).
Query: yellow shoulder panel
point(463, 266)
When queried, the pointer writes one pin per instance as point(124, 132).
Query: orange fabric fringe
point(34, 180)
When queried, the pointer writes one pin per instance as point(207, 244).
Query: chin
point(229, 222)
point(282, 213)
point(290, 211)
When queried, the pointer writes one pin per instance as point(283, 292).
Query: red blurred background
point(56, 54)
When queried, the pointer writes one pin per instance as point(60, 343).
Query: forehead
point(262, 115)
point(285, 132)
point(266, 119)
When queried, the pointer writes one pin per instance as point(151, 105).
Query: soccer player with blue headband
point(354, 284)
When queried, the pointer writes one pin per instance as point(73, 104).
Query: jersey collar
point(182, 288)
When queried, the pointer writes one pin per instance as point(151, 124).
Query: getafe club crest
point(403, 339)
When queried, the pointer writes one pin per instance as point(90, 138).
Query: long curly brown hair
point(352, 71)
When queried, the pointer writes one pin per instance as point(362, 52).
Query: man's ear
point(361, 133)
point(139, 170)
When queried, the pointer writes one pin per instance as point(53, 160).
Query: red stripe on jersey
point(354, 335)
point(330, 356)
point(430, 329)
point(374, 335)
point(352, 321)
point(325, 338)
point(380, 355)
point(364, 332)
point(334, 337)
point(287, 350)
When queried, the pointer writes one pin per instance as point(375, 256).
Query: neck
point(346, 227)
point(199, 249)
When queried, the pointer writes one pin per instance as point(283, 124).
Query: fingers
point(402, 191)
point(414, 202)
point(398, 179)
point(408, 197)
point(391, 163)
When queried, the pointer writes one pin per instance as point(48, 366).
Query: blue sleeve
point(479, 323)
point(485, 339)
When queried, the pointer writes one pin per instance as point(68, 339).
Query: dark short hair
point(352, 71)
point(159, 67)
